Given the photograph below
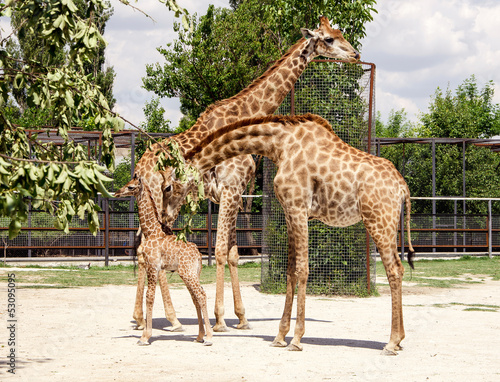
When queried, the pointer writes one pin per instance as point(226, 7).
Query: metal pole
point(209, 232)
point(402, 237)
point(455, 225)
point(132, 199)
point(434, 194)
point(490, 230)
point(368, 149)
point(106, 231)
point(29, 226)
point(463, 195)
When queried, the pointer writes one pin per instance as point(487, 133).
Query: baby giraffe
point(162, 251)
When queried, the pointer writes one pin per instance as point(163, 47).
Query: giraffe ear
point(307, 33)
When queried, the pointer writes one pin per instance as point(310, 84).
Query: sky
point(133, 40)
point(416, 46)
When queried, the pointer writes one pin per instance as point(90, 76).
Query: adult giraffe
point(320, 177)
point(225, 183)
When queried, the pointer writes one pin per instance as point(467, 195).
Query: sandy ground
point(87, 334)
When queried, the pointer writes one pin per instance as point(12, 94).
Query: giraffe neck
point(262, 97)
point(268, 136)
point(149, 218)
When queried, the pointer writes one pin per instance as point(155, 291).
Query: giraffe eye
point(329, 40)
point(169, 188)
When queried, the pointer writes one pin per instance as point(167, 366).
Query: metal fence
point(456, 232)
point(341, 260)
point(38, 237)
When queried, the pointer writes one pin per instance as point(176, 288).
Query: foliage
point(223, 54)
point(333, 91)
point(62, 178)
point(155, 123)
point(229, 49)
point(286, 17)
point(469, 113)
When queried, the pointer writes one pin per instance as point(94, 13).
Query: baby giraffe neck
point(148, 215)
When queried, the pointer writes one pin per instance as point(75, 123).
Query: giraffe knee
point(395, 273)
point(233, 256)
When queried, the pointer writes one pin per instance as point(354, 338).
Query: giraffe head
point(136, 188)
point(329, 42)
point(132, 188)
point(174, 196)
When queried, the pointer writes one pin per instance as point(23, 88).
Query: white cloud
point(418, 46)
point(132, 42)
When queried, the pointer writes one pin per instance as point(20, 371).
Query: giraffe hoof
point(175, 328)
point(220, 328)
point(207, 343)
point(139, 327)
point(293, 347)
point(278, 344)
point(386, 351)
point(243, 326)
point(142, 343)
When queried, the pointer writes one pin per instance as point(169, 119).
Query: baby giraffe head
point(136, 188)
point(132, 188)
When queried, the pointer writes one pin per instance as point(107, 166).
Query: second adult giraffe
point(320, 177)
point(226, 182)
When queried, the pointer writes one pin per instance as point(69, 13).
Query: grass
point(471, 307)
point(36, 276)
point(427, 273)
point(449, 273)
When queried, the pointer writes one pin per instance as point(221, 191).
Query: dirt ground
point(87, 334)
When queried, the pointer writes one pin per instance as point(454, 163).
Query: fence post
point(106, 231)
point(209, 232)
point(434, 195)
point(402, 226)
point(490, 231)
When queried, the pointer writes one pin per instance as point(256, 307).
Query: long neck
point(270, 136)
point(149, 217)
point(262, 97)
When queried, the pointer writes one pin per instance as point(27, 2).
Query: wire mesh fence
point(341, 260)
point(468, 225)
point(118, 225)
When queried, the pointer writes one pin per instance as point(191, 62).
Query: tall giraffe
point(161, 251)
point(225, 183)
point(320, 177)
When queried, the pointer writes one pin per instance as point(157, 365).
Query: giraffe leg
point(239, 309)
point(167, 303)
point(387, 246)
point(150, 299)
point(226, 240)
point(297, 270)
point(138, 313)
point(199, 298)
point(220, 324)
point(291, 282)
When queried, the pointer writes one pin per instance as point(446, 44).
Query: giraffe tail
point(411, 251)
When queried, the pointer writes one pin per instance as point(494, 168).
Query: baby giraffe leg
point(150, 299)
point(138, 313)
point(200, 302)
point(167, 303)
